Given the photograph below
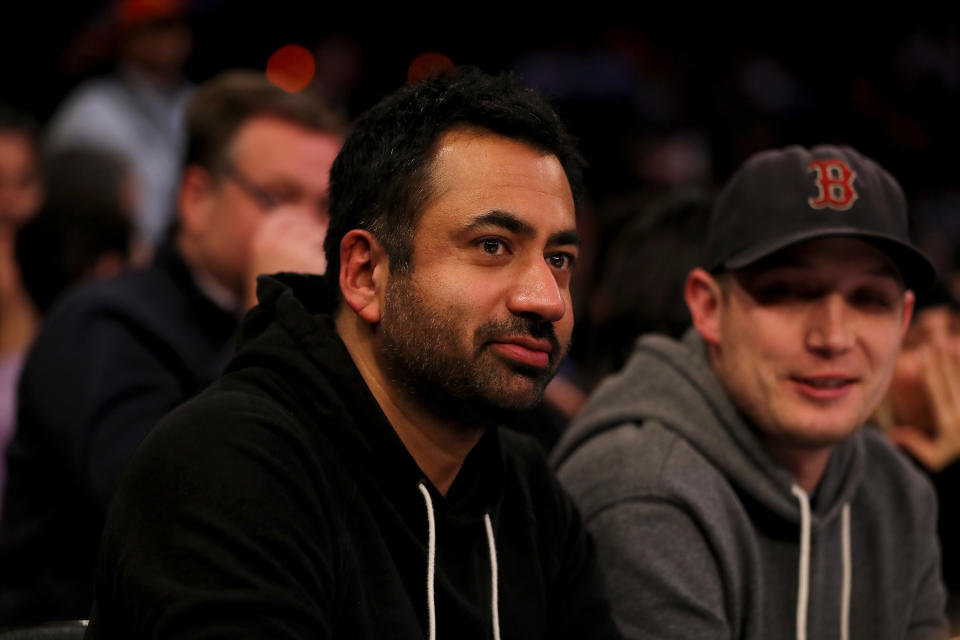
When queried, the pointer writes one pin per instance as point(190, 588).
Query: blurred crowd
point(96, 188)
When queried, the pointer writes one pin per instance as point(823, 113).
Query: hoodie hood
point(288, 480)
point(698, 524)
point(672, 383)
point(291, 333)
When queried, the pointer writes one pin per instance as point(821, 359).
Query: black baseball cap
point(781, 197)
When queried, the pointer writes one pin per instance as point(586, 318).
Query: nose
point(536, 292)
point(830, 331)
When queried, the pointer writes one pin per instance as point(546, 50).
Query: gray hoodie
point(702, 535)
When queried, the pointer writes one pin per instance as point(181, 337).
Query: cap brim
point(917, 271)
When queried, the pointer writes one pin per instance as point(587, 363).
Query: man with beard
point(346, 476)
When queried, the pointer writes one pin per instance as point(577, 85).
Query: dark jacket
point(703, 535)
point(280, 503)
point(111, 359)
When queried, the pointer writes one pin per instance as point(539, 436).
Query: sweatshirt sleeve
point(95, 397)
point(579, 608)
point(662, 579)
point(929, 602)
point(213, 534)
point(947, 484)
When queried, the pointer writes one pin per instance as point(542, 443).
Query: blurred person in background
point(20, 195)
point(115, 355)
point(921, 413)
point(84, 228)
point(138, 109)
point(640, 289)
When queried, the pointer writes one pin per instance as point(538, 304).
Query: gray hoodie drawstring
point(847, 575)
point(431, 569)
point(803, 587)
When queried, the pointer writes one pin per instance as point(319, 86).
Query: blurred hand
point(937, 447)
point(287, 240)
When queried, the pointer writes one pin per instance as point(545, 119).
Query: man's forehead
point(461, 146)
point(493, 177)
point(262, 132)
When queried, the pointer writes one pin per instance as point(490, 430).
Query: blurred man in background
point(117, 355)
point(138, 109)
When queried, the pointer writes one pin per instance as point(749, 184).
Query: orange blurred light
point(427, 64)
point(291, 67)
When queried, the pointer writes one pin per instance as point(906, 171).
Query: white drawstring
point(847, 575)
point(431, 569)
point(431, 563)
point(803, 588)
point(494, 606)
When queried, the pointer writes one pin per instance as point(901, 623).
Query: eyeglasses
point(266, 199)
point(261, 196)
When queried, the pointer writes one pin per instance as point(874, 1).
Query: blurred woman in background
point(921, 413)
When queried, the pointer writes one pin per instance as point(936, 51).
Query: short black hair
point(380, 180)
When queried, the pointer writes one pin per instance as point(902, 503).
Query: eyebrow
point(513, 224)
point(565, 237)
point(504, 220)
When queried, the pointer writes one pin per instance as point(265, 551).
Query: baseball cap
point(781, 197)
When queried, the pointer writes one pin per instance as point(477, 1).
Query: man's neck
point(807, 465)
point(157, 81)
point(438, 446)
point(219, 293)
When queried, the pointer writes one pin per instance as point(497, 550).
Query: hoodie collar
point(673, 383)
point(299, 308)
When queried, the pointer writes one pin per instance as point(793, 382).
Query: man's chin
point(496, 406)
point(821, 435)
point(522, 389)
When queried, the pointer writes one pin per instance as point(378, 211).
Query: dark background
point(658, 102)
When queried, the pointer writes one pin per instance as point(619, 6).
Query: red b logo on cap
point(834, 183)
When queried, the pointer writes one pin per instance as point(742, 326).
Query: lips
point(533, 352)
point(825, 386)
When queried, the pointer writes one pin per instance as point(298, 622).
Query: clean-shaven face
point(808, 339)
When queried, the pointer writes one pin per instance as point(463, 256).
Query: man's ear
point(704, 299)
point(364, 271)
point(194, 198)
point(909, 304)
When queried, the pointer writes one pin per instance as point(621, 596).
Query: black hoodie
point(281, 503)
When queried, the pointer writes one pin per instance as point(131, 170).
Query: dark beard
point(419, 356)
